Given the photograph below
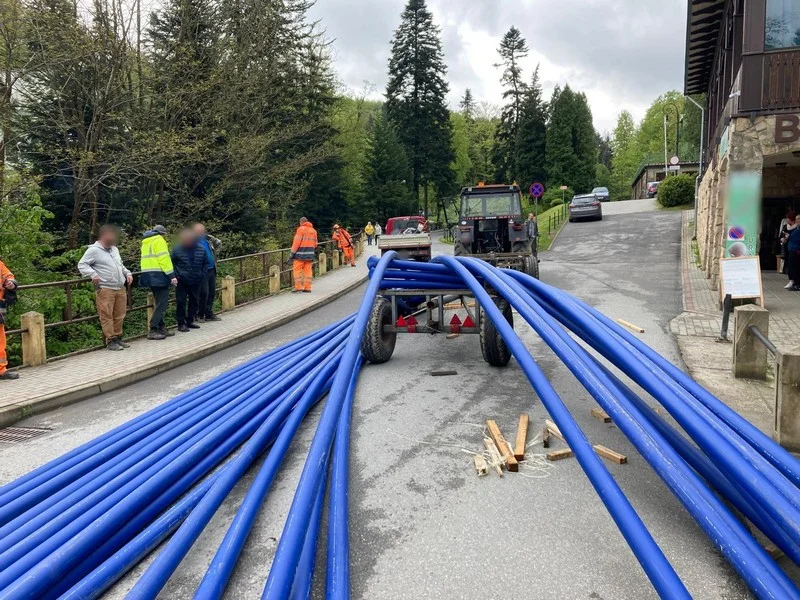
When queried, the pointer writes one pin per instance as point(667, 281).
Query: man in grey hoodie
point(103, 265)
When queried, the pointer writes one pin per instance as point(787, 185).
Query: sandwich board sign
point(741, 278)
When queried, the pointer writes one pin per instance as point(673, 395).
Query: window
point(783, 24)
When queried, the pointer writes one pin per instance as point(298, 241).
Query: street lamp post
point(702, 155)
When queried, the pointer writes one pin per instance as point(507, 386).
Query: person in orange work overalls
point(345, 242)
point(7, 283)
point(304, 249)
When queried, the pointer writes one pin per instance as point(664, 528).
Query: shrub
point(677, 190)
point(552, 196)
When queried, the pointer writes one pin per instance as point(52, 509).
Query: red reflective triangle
point(455, 320)
point(411, 320)
point(401, 322)
point(468, 322)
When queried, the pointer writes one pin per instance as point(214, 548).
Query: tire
point(376, 346)
point(494, 349)
point(531, 266)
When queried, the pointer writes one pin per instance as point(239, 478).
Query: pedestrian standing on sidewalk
point(208, 288)
point(103, 265)
point(8, 285)
point(788, 224)
point(370, 231)
point(793, 257)
point(345, 242)
point(190, 261)
point(304, 248)
point(378, 232)
point(158, 275)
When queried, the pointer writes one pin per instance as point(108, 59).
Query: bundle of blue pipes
point(76, 525)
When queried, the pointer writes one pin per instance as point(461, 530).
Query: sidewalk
point(85, 375)
point(709, 361)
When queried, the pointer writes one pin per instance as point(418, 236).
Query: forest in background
point(229, 112)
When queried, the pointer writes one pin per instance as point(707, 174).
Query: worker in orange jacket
point(303, 252)
point(7, 283)
point(345, 242)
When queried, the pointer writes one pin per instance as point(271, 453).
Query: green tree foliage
point(605, 150)
point(530, 156)
point(627, 157)
point(677, 190)
point(467, 106)
point(387, 176)
point(571, 143)
point(416, 99)
point(512, 49)
point(479, 140)
point(462, 162)
point(602, 176)
point(681, 115)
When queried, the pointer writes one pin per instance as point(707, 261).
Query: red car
point(397, 225)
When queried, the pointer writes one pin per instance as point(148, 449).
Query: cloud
point(622, 53)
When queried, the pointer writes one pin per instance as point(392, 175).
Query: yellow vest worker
point(304, 249)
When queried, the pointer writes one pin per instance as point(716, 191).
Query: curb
point(15, 413)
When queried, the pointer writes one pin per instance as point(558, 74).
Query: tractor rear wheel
point(494, 349)
point(531, 266)
point(377, 346)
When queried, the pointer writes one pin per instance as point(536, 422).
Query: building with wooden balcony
point(744, 55)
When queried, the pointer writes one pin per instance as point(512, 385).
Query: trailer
point(410, 311)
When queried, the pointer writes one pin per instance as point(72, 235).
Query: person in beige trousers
point(103, 265)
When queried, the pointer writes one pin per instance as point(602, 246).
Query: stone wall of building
point(750, 140)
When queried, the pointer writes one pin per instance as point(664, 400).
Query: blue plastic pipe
point(658, 570)
point(287, 556)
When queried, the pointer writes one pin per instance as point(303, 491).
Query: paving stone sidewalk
point(702, 316)
point(79, 377)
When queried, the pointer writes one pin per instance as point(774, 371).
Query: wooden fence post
point(228, 294)
point(274, 279)
point(34, 345)
point(323, 263)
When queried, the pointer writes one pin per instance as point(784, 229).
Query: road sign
point(674, 167)
point(674, 160)
point(537, 189)
point(564, 188)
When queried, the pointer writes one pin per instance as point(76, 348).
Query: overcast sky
point(622, 53)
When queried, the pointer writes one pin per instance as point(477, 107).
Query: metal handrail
point(759, 335)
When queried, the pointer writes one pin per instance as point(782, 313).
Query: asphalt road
point(422, 524)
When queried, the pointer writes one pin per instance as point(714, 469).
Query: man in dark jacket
point(208, 289)
point(190, 262)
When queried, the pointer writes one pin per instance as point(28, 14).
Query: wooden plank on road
point(522, 438)
point(502, 445)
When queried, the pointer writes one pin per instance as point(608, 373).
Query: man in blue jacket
point(190, 261)
point(208, 288)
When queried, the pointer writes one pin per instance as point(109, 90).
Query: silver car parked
point(585, 206)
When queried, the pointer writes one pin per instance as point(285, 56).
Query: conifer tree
point(531, 164)
point(416, 100)
point(512, 49)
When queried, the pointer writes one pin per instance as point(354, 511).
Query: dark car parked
point(601, 193)
point(652, 189)
point(585, 206)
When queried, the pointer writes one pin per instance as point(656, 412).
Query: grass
point(545, 238)
point(676, 208)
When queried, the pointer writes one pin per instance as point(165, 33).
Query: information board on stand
point(741, 278)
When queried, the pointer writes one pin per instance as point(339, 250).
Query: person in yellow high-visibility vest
point(159, 275)
point(304, 248)
point(345, 242)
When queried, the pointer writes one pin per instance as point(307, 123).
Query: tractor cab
point(492, 227)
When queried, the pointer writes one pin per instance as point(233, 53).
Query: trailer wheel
point(494, 349)
point(376, 345)
point(531, 266)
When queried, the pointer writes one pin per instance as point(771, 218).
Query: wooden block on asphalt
point(546, 438)
point(480, 465)
point(608, 453)
point(452, 336)
point(553, 429)
point(635, 328)
point(522, 438)
point(559, 454)
point(599, 413)
point(494, 455)
point(443, 373)
point(502, 445)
